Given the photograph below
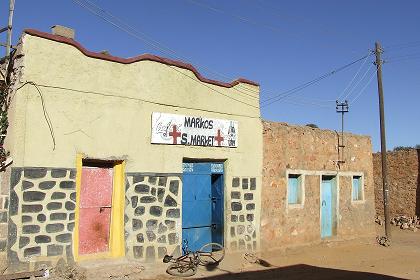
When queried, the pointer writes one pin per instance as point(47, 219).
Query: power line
point(100, 12)
point(406, 55)
point(296, 102)
point(363, 89)
point(238, 17)
point(289, 92)
point(275, 11)
point(246, 20)
point(401, 46)
point(401, 60)
point(361, 79)
point(352, 80)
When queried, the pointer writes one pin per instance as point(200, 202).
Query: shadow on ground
point(301, 271)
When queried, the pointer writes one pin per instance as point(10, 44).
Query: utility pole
point(341, 107)
point(9, 28)
point(378, 63)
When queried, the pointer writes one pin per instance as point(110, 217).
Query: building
point(117, 157)
point(308, 196)
point(121, 157)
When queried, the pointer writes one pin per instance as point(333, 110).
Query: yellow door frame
point(116, 237)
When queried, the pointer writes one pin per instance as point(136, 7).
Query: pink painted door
point(95, 210)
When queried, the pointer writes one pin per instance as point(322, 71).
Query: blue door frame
point(202, 204)
point(327, 207)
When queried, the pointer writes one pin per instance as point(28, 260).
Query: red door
point(95, 210)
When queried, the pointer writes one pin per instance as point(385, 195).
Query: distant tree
point(312, 125)
point(402, 148)
point(417, 146)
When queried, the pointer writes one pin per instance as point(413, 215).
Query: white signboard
point(174, 129)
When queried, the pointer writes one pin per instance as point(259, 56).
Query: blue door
point(326, 208)
point(202, 204)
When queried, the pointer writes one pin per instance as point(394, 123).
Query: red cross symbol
point(219, 138)
point(175, 134)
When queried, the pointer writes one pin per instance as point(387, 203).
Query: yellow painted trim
point(79, 163)
point(116, 240)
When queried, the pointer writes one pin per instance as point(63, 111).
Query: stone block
point(58, 173)
point(174, 186)
point(34, 173)
point(67, 185)
point(173, 213)
point(54, 250)
point(170, 201)
point(142, 189)
point(58, 195)
point(31, 196)
point(46, 185)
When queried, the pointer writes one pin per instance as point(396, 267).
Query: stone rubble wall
point(4, 216)
point(312, 152)
point(42, 213)
point(152, 215)
point(403, 182)
point(243, 224)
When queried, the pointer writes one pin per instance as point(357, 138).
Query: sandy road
point(333, 260)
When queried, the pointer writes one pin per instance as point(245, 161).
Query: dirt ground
point(330, 260)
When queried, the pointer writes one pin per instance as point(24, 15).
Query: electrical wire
point(360, 80)
point(116, 95)
point(295, 102)
point(352, 80)
point(406, 55)
point(99, 12)
point(397, 47)
point(403, 59)
point(45, 112)
point(173, 68)
point(363, 89)
point(238, 17)
point(278, 13)
point(294, 90)
point(93, 8)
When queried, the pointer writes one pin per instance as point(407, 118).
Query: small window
point(357, 190)
point(294, 189)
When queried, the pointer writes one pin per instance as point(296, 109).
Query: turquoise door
point(326, 208)
point(202, 204)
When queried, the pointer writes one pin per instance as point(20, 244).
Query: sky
point(279, 44)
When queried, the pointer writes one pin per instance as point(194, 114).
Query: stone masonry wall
point(243, 220)
point(4, 215)
point(42, 213)
point(312, 153)
point(152, 215)
point(403, 182)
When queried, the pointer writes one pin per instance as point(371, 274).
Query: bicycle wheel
point(211, 254)
point(184, 269)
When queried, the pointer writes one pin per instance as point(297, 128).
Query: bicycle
point(211, 254)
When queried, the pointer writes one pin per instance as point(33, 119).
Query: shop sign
point(174, 129)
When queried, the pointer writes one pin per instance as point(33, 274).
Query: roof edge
point(130, 60)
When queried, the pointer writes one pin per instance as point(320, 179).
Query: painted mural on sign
point(174, 129)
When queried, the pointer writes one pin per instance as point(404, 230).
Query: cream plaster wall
point(103, 115)
point(103, 110)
